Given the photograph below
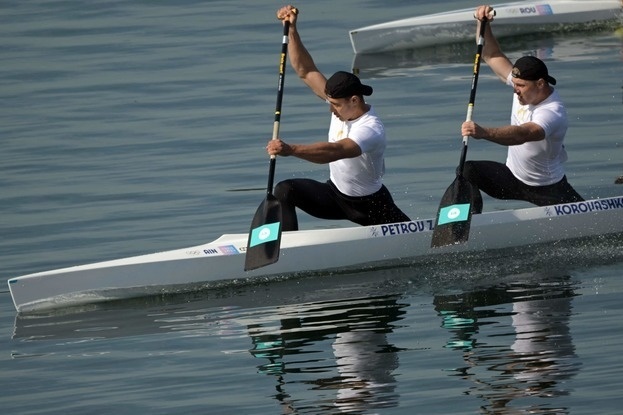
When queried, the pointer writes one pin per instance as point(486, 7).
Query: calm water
point(133, 127)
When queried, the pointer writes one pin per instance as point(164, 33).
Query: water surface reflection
point(516, 367)
point(359, 376)
point(336, 345)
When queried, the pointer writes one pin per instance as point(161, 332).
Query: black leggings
point(496, 180)
point(325, 201)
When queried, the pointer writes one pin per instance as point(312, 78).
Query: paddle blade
point(454, 215)
point(265, 235)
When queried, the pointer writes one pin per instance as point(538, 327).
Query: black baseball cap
point(345, 85)
point(531, 68)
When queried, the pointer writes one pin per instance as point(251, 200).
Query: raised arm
point(491, 52)
point(300, 59)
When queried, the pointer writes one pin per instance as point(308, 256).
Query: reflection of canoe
point(206, 311)
point(410, 62)
point(203, 310)
point(511, 19)
point(309, 251)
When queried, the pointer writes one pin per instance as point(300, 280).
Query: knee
point(469, 170)
point(283, 190)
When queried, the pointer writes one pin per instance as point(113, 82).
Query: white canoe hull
point(511, 19)
point(308, 251)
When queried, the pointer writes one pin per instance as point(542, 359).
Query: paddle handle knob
point(293, 10)
point(491, 14)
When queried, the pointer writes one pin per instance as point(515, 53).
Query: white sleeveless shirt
point(539, 163)
point(362, 175)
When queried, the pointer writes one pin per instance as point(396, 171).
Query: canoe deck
point(309, 251)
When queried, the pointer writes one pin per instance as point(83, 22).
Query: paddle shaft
point(472, 94)
point(265, 235)
point(282, 72)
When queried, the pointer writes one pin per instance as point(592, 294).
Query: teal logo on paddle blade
point(265, 233)
point(453, 213)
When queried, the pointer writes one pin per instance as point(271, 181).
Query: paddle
point(455, 209)
point(265, 234)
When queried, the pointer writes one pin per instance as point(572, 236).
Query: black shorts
point(325, 201)
point(496, 180)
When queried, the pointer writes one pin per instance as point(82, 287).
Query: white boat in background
point(511, 19)
point(308, 252)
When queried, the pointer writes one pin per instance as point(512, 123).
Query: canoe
point(305, 252)
point(511, 19)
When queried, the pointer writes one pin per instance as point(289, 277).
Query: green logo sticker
point(453, 213)
point(265, 233)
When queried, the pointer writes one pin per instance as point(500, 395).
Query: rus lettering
point(527, 10)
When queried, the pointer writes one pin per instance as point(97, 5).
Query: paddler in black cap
point(534, 169)
point(354, 150)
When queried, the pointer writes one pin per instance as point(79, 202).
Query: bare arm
point(491, 52)
point(300, 59)
point(321, 152)
point(509, 135)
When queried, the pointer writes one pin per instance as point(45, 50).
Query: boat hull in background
point(511, 19)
